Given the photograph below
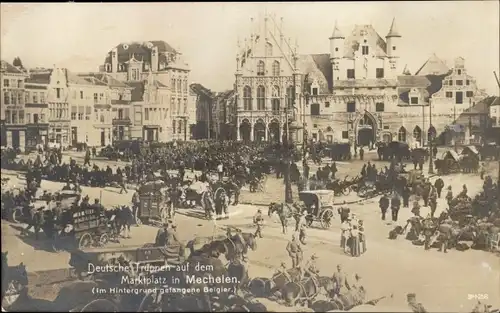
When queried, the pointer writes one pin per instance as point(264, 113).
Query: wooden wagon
point(151, 199)
point(319, 206)
point(83, 227)
point(449, 163)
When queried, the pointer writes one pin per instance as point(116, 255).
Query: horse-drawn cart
point(83, 227)
point(151, 198)
point(319, 205)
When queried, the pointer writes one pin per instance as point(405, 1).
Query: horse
point(305, 290)
point(14, 283)
point(284, 211)
point(234, 247)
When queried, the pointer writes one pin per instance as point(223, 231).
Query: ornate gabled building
point(267, 82)
point(135, 63)
point(358, 92)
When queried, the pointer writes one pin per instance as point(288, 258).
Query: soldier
point(361, 153)
point(395, 206)
point(301, 227)
point(94, 152)
point(482, 170)
point(449, 196)
point(433, 201)
point(406, 196)
point(463, 193)
point(414, 306)
point(384, 205)
point(344, 212)
point(439, 184)
point(416, 208)
point(310, 267)
point(294, 251)
point(354, 241)
point(136, 201)
point(87, 158)
point(258, 220)
point(340, 280)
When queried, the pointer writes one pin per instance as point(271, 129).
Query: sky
point(78, 35)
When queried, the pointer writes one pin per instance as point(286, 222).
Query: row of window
point(58, 113)
point(13, 98)
point(459, 96)
point(179, 127)
point(155, 114)
point(179, 85)
point(350, 107)
point(261, 68)
point(179, 108)
point(261, 97)
point(458, 82)
point(402, 134)
point(34, 97)
point(351, 73)
point(14, 117)
point(81, 95)
point(13, 83)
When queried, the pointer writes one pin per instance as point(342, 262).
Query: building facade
point(36, 108)
point(204, 107)
point(267, 82)
point(495, 113)
point(139, 62)
point(358, 92)
point(12, 104)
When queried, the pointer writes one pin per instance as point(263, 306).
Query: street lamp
point(291, 128)
point(431, 133)
point(304, 138)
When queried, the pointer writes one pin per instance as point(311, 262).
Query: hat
point(314, 256)
point(411, 295)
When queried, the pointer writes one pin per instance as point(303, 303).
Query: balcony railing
point(122, 121)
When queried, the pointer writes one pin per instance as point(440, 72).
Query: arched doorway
point(274, 131)
point(245, 130)
point(431, 134)
point(259, 131)
point(417, 134)
point(366, 130)
point(402, 134)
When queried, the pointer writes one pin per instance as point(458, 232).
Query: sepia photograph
point(243, 157)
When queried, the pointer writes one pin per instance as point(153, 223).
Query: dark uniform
point(344, 213)
point(439, 184)
point(449, 196)
point(294, 251)
point(433, 201)
point(361, 153)
point(395, 206)
point(384, 205)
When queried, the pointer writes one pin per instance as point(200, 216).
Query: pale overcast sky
point(78, 36)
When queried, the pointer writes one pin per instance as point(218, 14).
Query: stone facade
point(357, 92)
point(267, 83)
point(140, 62)
point(495, 113)
point(12, 103)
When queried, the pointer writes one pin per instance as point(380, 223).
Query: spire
point(337, 34)
point(393, 32)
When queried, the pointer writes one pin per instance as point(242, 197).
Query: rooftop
point(142, 51)
point(433, 66)
point(8, 68)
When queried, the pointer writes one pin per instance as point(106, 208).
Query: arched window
point(275, 101)
point(261, 68)
point(289, 97)
point(417, 134)
point(261, 98)
point(247, 98)
point(329, 129)
point(269, 49)
point(402, 134)
point(276, 68)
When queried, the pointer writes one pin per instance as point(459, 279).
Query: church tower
point(393, 41)
point(337, 40)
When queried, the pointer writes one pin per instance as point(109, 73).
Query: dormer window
point(121, 67)
point(113, 54)
point(364, 50)
point(393, 48)
point(108, 67)
point(162, 66)
point(315, 91)
point(146, 66)
point(459, 72)
point(414, 100)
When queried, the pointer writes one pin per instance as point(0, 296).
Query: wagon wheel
point(326, 218)
point(151, 303)
point(346, 190)
point(100, 305)
point(85, 241)
point(103, 240)
point(16, 215)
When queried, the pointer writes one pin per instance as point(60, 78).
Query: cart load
point(319, 205)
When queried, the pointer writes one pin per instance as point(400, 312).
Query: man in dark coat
point(344, 212)
point(361, 153)
point(384, 205)
point(406, 196)
point(395, 205)
point(439, 184)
